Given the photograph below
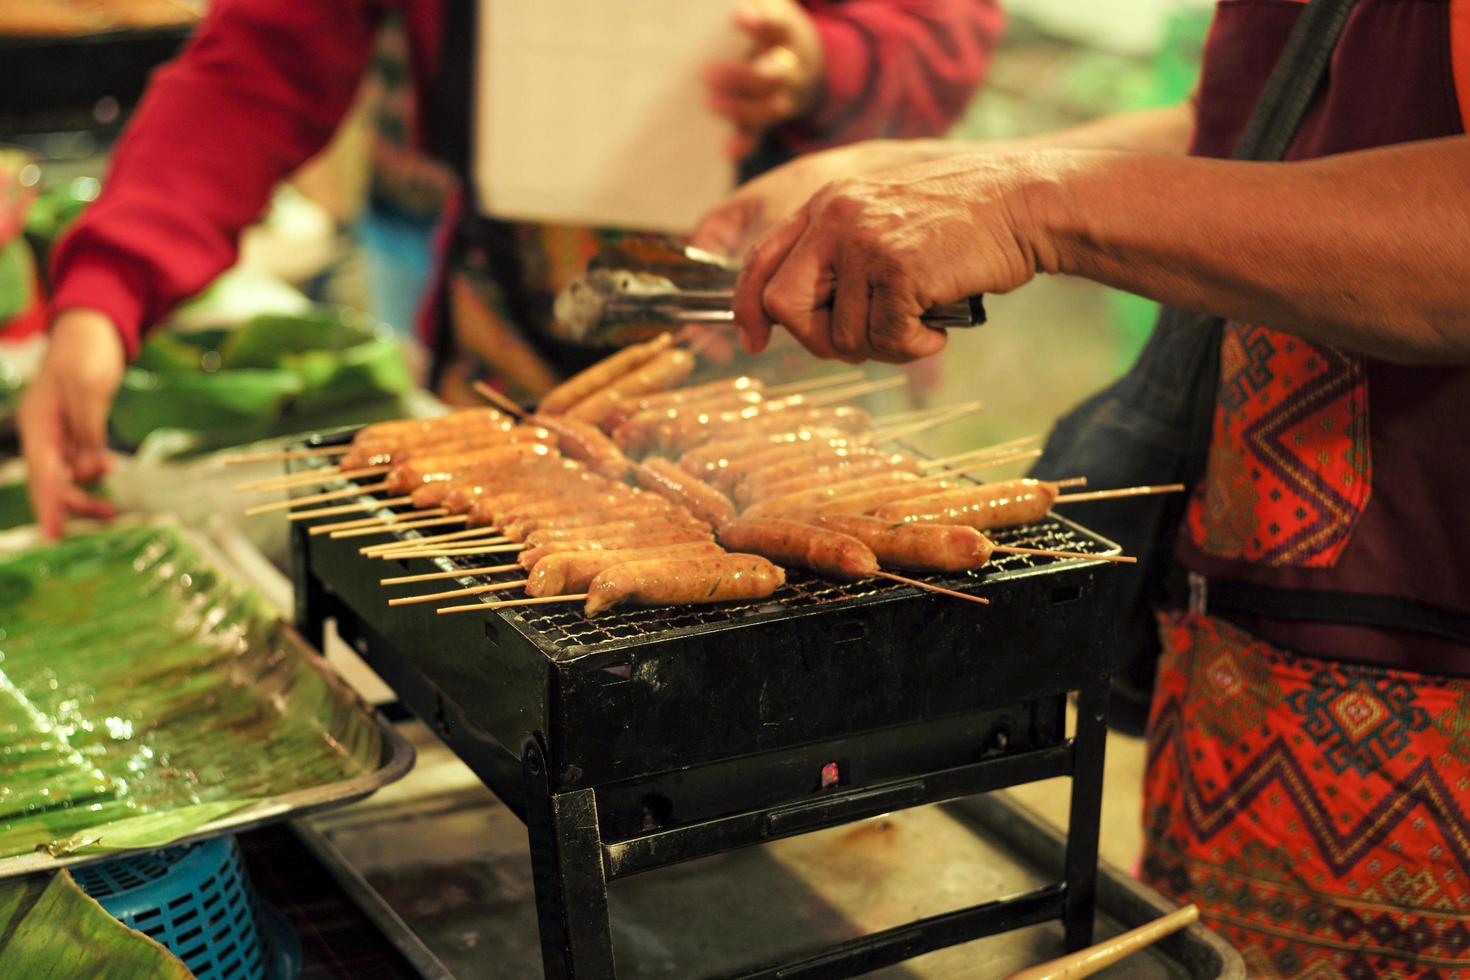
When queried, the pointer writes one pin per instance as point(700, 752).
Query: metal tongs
point(641, 286)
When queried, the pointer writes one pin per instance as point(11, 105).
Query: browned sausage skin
point(586, 443)
point(573, 571)
point(665, 478)
point(791, 543)
point(663, 371)
point(914, 547)
point(1007, 503)
point(683, 581)
point(602, 374)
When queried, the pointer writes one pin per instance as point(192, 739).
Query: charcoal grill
point(648, 737)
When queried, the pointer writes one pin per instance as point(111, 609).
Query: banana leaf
point(143, 695)
point(49, 927)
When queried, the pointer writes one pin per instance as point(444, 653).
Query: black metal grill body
point(677, 733)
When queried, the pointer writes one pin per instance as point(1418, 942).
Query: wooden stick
point(394, 526)
point(1078, 498)
point(498, 549)
point(1000, 448)
point(813, 384)
point(410, 600)
point(498, 399)
point(507, 603)
point(316, 498)
point(889, 432)
point(855, 391)
point(306, 515)
point(934, 588)
point(327, 474)
point(920, 414)
point(457, 573)
point(478, 533)
point(1072, 481)
point(1004, 549)
point(271, 457)
point(984, 464)
point(1086, 962)
point(372, 521)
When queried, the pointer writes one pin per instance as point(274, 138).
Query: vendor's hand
point(756, 207)
point(63, 418)
point(781, 78)
point(850, 274)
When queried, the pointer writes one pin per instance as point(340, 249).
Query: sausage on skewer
point(573, 571)
point(718, 453)
point(587, 443)
point(663, 371)
point(665, 478)
point(915, 547)
point(830, 554)
point(1006, 503)
point(626, 408)
point(602, 374)
point(607, 542)
point(825, 470)
point(683, 581)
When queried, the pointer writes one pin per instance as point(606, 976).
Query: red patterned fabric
point(1315, 810)
point(1290, 466)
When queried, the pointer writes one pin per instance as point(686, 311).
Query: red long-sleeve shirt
point(263, 84)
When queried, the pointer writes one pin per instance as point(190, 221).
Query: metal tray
point(396, 758)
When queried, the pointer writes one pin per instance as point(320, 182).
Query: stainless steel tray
point(346, 710)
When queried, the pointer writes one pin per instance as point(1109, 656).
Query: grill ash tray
point(651, 736)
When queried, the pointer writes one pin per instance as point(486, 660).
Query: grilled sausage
point(683, 581)
point(664, 371)
point(626, 408)
point(573, 571)
point(491, 507)
point(461, 428)
point(549, 506)
point(602, 374)
point(504, 475)
point(586, 442)
point(405, 477)
point(608, 542)
point(806, 501)
point(657, 524)
point(408, 428)
point(647, 431)
point(827, 553)
point(823, 470)
point(630, 510)
point(463, 493)
point(666, 479)
point(917, 547)
point(700, 429)
point(870, 499)
point(1004, 504)
point(720, 452)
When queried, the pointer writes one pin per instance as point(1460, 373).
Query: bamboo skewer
point(1080, 498)
point(327, 474)
point(395, 526)
point(1085, 962)
point(316, 498)
point(984, 464)
point(507, 603)
point(889, 432)
point(813, 384)
point(306, 515)
point(920, 414)
point(373, 522)
point(834, 395)
point(1005, 549)
point(283, 454)
point(410, 600)
point(934, 588)
point(456, 573)
point(480, 535)
point(999, 449)
point(498, 399)
point(498, 549)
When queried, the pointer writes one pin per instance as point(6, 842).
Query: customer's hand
point(851, 272)
point(780, 79)
point(63, 418)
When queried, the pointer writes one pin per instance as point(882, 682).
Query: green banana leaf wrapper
point(146, 698)
point(276, 375)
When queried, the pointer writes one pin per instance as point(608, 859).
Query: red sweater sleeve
point(257, 91)
point(895, 68)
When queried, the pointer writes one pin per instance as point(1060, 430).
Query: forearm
point(1366, 251)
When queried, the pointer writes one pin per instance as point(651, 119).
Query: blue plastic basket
point(196, 900)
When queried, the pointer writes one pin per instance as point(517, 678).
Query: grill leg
point(1086, 815)
point(571, 886)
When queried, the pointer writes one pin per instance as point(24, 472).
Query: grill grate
point(564, 626)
